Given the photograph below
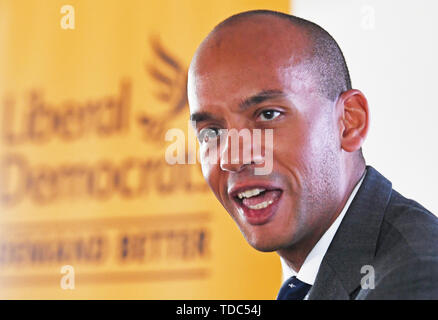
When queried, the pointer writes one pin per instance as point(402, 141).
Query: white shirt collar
point(310, 267)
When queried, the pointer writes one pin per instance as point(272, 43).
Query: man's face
point(264, 68)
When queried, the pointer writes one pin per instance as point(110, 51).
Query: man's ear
point(353, 118)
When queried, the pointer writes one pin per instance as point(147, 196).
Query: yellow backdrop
point(87, 93)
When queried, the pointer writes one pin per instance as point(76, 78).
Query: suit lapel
point(327, 285)
point(354, 243)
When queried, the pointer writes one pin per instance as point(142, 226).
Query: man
point(337, 224)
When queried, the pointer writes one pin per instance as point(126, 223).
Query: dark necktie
point(293, 289)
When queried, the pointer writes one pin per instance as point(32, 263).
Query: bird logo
point(171, 77)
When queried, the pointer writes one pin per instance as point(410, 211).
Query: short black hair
point(325, 57)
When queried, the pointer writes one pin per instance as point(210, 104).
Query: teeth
point(262, 205)
point(250, 193)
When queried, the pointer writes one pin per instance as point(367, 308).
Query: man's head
point(268, 70)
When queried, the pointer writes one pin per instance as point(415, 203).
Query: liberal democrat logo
point(126, 248)
point(171, 78)
point(33, 120)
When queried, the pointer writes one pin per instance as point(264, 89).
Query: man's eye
point(268, 115)
point(208, 134)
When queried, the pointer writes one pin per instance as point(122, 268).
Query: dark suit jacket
point(386, 233)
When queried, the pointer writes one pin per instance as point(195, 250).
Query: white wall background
point(391, 49)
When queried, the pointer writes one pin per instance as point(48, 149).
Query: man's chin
point(264, 245)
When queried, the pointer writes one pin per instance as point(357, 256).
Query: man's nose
point(237, 152)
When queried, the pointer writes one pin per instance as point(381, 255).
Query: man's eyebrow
point(201, 116)
point(260, 97)
point(244, 104)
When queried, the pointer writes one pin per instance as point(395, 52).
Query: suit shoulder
point(414, 279)
point(407, 245)
point(409, 227)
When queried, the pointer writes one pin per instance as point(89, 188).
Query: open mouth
point(258, 198)
point(257, 204)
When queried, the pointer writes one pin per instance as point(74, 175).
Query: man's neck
point(295, 255)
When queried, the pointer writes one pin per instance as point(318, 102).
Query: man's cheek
point(205, 164)
point(211, 175)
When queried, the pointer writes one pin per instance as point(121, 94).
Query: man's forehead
point(216, 84)
point(255, 49)
point(218, 87)
point(256, 39)
point(250, 56)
